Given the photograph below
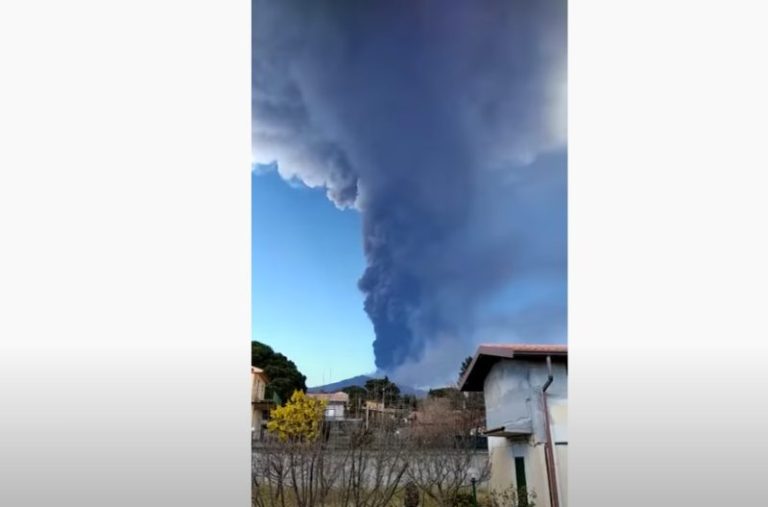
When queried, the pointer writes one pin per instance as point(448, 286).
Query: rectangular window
point(522, 487)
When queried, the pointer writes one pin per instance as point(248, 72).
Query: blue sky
point(307, 257)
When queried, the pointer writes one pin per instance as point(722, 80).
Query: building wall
point(502, 452)
point(514, 400)
point(558, 414)
point(502, 463)
point(513, 395)
point(334, 410)
point(259, 416)
point(258, 387)
point(561, 457)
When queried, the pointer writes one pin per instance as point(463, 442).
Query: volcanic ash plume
point(443, 124)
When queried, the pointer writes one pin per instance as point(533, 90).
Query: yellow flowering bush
point(299, 419)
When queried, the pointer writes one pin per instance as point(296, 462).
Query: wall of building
point(502, 452)
point(514, 400)
point(558, 415)
point(561, 457)
point(512, 392)
point(258, 387)
point(334, 410)
point(502, 462)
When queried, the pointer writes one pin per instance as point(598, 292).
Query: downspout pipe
point(550, 377)
point(549, 449)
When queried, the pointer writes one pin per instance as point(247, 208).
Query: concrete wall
point(514, 400)
point(502, 452)
point(258, 387)
point(558, 414)
point(561, 457)
point(513, 395)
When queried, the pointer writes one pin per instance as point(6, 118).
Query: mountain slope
point(360, 380)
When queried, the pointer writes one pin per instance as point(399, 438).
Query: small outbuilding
point(335, 404)
point(526, 400)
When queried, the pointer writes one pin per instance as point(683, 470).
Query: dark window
point(522, 487)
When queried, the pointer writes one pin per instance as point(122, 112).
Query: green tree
point(473, 402)
point(464, 365)
point(298, 420)
point(409, 401)
point(443, 392)
point(357, 397)
point(382, 389)
point(455, 398)
point(284, 376)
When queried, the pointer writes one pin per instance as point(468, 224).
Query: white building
point(336, 404)
point(526, 401)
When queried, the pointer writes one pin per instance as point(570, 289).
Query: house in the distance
point(336, 404)
point(259, 405)
point(526, 401)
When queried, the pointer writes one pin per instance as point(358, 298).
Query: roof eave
point(487, 355)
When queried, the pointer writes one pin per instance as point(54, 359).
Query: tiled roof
point(524, 348)
point(339, 396)
point(489, 353)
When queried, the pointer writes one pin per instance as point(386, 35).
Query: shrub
point(299, 420)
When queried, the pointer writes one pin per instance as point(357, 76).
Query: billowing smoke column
point(443, 123)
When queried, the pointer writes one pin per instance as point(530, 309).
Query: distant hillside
point(360, 380)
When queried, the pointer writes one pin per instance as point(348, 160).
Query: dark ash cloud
point(443, 123)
